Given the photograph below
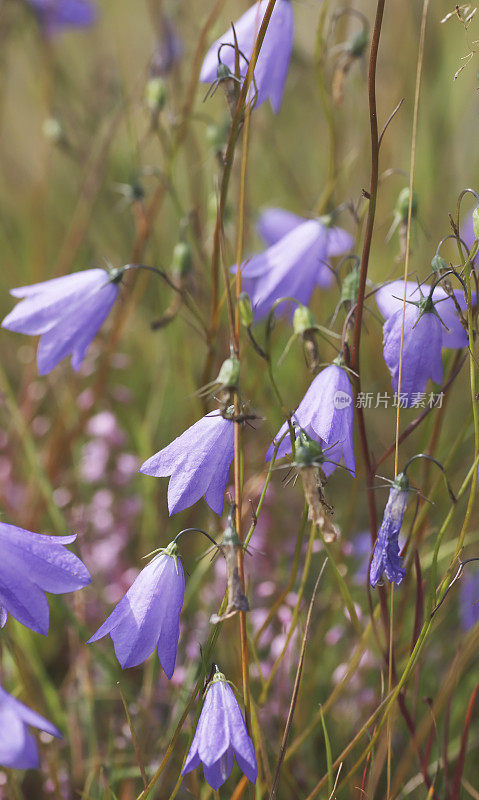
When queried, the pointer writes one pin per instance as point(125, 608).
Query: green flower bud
point(475, 222)
point(156, 94)
point(438, 263)
point(350, 287)
point(358, 43)
point(215, 136)
point(52, 130)
point(307, 452)
point(303, 320)
point(245, 310)
point(228, 376)
point(402, 205)
point(223, 72)
point(182, 260)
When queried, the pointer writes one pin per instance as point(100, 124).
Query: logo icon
point(342, 399)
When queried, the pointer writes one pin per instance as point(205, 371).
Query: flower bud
point(307, 452)
point(156, 94)
point(52, 130)
point(223, 72)
point(402, 205)
point(228, 376)
point(438, 263)
point(216, 136)
point(303, 320)
point(245, 310)
point(475, 222)
point(350, 287)
point(182, 260)
point(358, 43)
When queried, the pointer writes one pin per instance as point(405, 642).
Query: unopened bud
point(303, 320)
point(245, 310)
point(52, 130)
point(216, 137)
point(358, 43)
point(182, 260)
point(228, 376)
point(402, 205)
point(438, 263)
point(350, 287)
point(156, 94)
point(223, 72)
point(307, 452)
point(475, 222)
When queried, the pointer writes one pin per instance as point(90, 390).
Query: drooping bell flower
point(30, 565)
point(421, 351)
point(18, 748)
point(274, 223)
point(221, 736)
point(389, 299)
point(273, 60)
point(147, 616)
point(198, 461)
point(294, 265)
point(386, 558)
point(326, 414)
point(55, 16)
point(66, 313)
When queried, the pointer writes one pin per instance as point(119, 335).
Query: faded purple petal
point(469, 597)
point(147, 617)
point(198, 462)
point(273, 60)
point(386, 556)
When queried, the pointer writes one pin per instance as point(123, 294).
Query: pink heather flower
point(198, 461)
point(221, 736)
point(66, 313)
point(273, 60)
